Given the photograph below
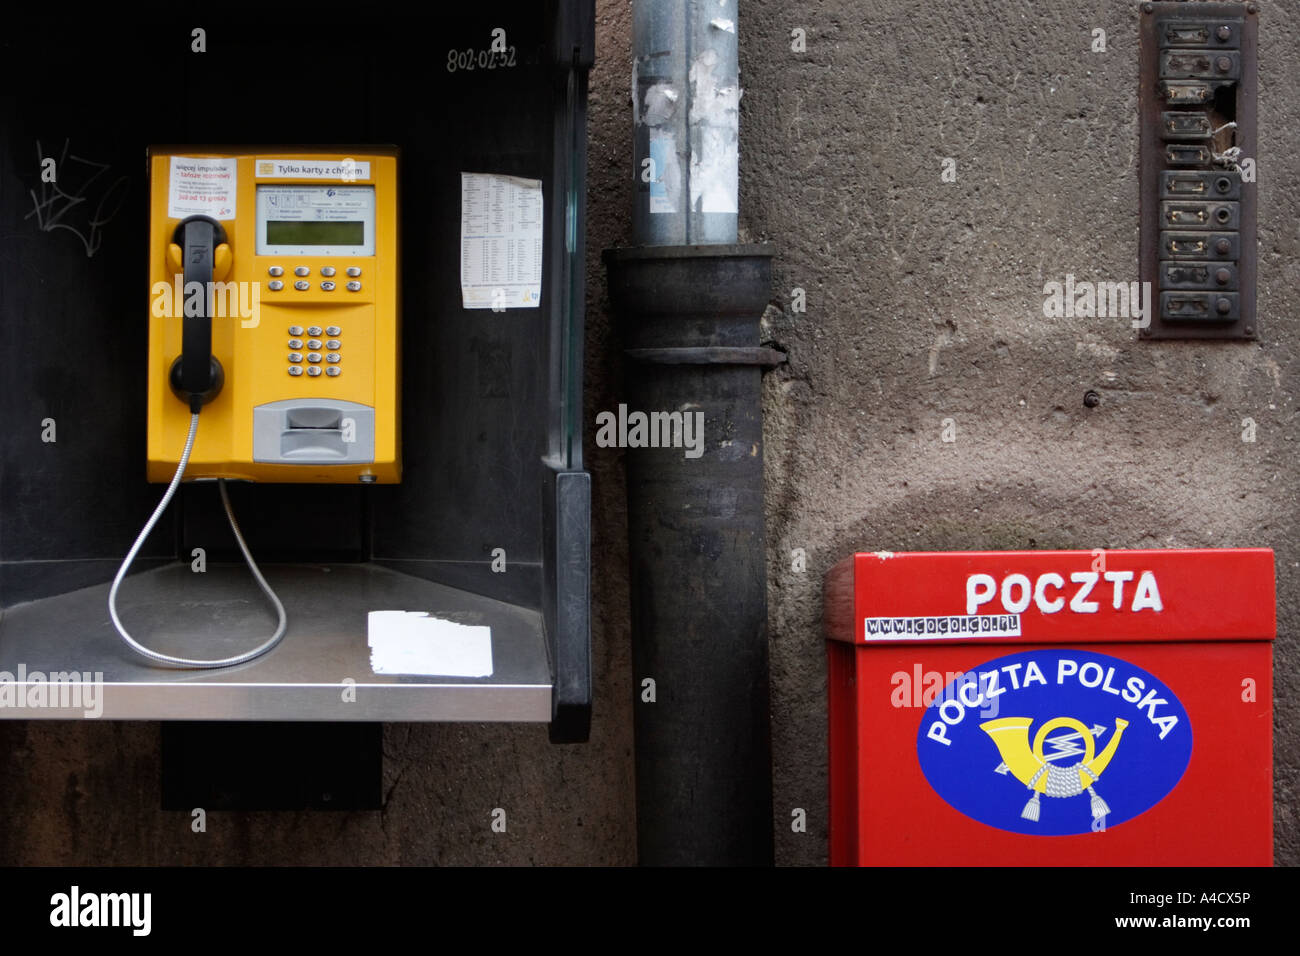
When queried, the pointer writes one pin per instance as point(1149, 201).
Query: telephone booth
point(487, 530)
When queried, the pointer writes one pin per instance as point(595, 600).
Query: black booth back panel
point(73, 326)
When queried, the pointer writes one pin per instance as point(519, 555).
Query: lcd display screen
point(282, 233)
point(325, 220)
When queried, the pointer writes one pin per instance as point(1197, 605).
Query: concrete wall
point(924, 303)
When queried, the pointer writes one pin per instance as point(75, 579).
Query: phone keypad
point(333, 358)
point(275, 285)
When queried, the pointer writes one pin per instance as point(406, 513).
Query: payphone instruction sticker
point(344, 170)
point(415, 642)
point(500, 242)
point(202, 187)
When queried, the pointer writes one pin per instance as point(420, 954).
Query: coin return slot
point(314, 433)
point(319, 431)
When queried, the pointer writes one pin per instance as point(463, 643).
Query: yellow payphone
point(303, 318)
point(273, 326)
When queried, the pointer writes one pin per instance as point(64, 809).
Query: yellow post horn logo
point(1028, 765)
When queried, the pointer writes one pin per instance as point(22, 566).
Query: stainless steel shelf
point(221, 612)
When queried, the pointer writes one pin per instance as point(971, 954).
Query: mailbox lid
point(1044, 597)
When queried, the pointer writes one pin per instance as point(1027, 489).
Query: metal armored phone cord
point(243, 546)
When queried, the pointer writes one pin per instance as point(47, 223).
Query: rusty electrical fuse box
point(1197, 176)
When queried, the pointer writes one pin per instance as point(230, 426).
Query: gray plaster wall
point(924, 302)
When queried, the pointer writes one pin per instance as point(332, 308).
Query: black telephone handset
point(196, 376)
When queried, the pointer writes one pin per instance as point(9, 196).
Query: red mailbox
point(1052, 708)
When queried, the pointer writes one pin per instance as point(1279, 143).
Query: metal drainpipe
point(689, 301)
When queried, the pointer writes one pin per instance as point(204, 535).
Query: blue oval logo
point(1054, 742)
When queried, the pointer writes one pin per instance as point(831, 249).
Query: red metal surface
point(843, 747)
point(1208, 643)
point(1205, 595)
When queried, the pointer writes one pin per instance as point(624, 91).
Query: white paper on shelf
point(415, 642)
